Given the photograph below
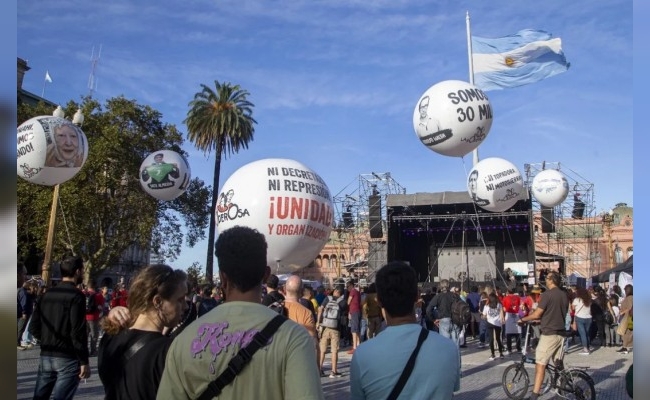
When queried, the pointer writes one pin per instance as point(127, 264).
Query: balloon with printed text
point(165, 174)
point(452, 118)
point(284, 200)
point(50, 150)
point(495, 184)
point(550, 187)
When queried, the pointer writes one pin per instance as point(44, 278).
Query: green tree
point(195, 274)
point(219, 119)
point(103, 209)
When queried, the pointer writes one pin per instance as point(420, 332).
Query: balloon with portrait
point(495, 184)
point(284, 200)
point(452, 118)
point(50, 150)
point(550, 187)
point(165, 174)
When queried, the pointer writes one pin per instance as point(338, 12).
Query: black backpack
point(460, 312)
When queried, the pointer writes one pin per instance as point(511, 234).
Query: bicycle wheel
point(577, 384)
point(515, 381)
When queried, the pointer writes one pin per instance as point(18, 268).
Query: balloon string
point(477, 225)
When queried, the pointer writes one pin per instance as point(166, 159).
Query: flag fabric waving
point(516, 60)
point(48, 78)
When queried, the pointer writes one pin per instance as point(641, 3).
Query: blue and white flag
point(525, 57)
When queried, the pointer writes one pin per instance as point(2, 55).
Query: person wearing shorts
point(331, 335)
point(551, 310)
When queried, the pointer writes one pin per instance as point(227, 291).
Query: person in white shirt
point(495, 317)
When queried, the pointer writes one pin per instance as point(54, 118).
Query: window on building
point(618, 255)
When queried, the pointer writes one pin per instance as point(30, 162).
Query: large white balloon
point(495, 184)
point(550, 187)
point(51, 150)
point(165, 174)
point(452, 118)
point(287, 202)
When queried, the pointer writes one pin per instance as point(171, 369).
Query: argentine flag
point(525, 57)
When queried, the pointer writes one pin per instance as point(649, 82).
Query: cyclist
point(551, 310)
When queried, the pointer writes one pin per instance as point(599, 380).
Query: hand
point(436, 322)
point(120, 315)
point(84, 372)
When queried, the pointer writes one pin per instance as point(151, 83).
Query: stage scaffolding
point(364, 253)
point(574, 240)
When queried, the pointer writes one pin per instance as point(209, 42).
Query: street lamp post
point(77, 119)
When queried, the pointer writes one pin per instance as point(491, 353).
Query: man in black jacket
point(59, 322)
point(272, 295)
point(442, 303)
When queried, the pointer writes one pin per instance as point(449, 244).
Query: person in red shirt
point(120, 296)
point(354, 311)
point(94, 307)
point(511, 304)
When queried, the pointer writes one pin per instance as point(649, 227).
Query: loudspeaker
point(548, 220)
point(578, 207)
point(374, 216)
point(347, 220)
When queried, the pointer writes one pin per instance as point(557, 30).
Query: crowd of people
point(165, 338)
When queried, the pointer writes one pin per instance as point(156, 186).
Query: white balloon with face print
point(550, 187)
point(284, 200)
point(495, 184)
point(165, 174)
point(51, 150)
point(452, 118)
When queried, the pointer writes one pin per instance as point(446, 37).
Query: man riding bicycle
point(551, 310)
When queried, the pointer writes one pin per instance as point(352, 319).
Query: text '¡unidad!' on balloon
point(452, 118)
point(287, 202)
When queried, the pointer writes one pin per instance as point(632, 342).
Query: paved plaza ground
point(481, 378)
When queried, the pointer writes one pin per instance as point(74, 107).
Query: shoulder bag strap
point(401, 382)
point(243, 357)
point(135, 347)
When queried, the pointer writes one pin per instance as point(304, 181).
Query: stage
point(446, 236)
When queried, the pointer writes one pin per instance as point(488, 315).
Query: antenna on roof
point(92, 81)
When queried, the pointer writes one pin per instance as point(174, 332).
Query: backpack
point(91, 303)
point(460, 312)
point(332, 313)
point(278, 307)
point(608, 317)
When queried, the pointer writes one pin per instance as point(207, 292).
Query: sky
point(335, 83)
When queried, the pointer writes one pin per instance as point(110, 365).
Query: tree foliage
point(219, 119)
point(195, 274)
point(103, 210)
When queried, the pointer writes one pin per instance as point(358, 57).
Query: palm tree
point(219, 119)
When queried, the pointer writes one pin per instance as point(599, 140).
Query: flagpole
point(43, 91)
point(471, 73)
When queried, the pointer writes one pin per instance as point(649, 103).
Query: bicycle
point(571, 383)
